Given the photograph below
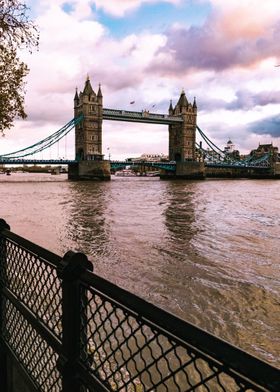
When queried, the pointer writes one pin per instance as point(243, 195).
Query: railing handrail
point(48, 256)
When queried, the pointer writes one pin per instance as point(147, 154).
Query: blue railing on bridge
point(169, 166)
point(6, 161)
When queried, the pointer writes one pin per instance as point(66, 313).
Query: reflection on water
point(205, 250)
point(86, 227)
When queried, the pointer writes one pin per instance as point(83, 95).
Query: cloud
point(243, 100)
point(247, 100)
point(233, 36)
point(268, 126)
point(69, 50)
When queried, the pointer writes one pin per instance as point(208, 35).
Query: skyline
point(146, 51)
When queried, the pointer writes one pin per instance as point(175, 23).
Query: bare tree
point(17, 31)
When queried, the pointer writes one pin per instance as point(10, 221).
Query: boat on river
point(125, 173)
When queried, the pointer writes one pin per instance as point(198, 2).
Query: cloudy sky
point(225, 53)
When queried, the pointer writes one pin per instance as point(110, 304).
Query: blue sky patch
point(156, 18)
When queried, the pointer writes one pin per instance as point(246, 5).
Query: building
point(230, 151)
point(264, 149)
point(149, 158)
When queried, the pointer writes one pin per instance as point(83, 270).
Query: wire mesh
point(34, 282)
point(31, 350)
point(129, 353)
point(124, 343)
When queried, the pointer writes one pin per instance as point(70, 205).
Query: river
point(207, 251)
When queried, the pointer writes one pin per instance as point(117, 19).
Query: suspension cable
point(47, 142)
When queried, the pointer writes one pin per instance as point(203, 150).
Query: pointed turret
point(99, 93)
point(88, 90)
point(183, 102)
point(76, 97)
point(194, 103)
point(170, 110)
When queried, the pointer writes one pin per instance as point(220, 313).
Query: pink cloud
point(217, 45)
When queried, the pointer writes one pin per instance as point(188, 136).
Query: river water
point(207, 251)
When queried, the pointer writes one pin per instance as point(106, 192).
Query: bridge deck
point(142, 117)
point(6, 161)
point(161, 165)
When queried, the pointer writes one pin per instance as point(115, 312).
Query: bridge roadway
point(142, 117)
point(170, 166)
point(6, 161)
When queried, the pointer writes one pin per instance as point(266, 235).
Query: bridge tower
point(88, 133)
point(182, 146)
point(88, 136)
point(182, 136)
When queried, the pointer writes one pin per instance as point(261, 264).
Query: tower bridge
point(187, 158)
point(181, 122)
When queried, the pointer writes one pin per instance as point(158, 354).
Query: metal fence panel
point(73, 331)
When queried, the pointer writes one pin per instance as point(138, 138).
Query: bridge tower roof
point(182, 102)
point(88, 90)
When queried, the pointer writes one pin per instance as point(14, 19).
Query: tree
point(16, 32)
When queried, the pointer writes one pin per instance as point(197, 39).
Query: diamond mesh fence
point(129, 353)
point(34, 282)
point(31, 350)
point(30, 281)
point(74, 331)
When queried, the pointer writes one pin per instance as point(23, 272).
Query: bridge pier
point(189, 170)
point(89, 170)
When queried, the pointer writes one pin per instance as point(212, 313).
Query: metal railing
point(71, 330)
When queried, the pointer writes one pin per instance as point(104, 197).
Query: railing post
point(3, 272)
point(69, 270)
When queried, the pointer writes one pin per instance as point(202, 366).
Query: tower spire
point(99, 93)
point(194, 103)
point(170, 110)
point(76, 97)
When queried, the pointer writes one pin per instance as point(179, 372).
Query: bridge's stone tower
point(88, 133)
point(182, 147)
point(88, 136)
point(182, 136)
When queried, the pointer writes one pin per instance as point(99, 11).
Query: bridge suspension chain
point(44, 143)
point(212, 145)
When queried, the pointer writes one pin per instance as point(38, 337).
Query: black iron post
point(3, 280)
point(69, 270)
